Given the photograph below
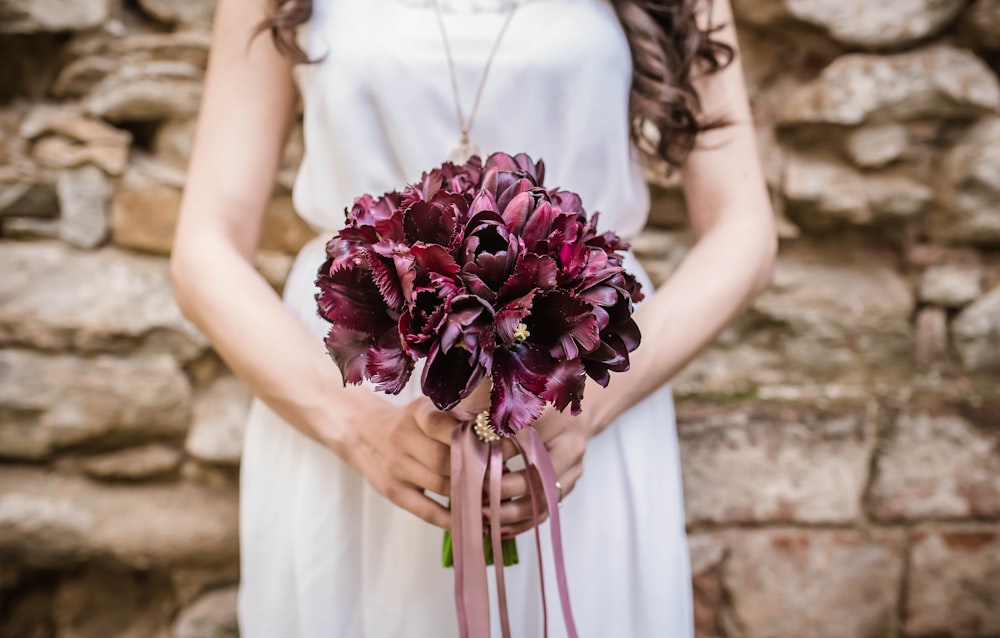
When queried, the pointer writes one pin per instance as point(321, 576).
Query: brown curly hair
point(669, 49)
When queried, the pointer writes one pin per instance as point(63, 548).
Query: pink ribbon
point(471, 461)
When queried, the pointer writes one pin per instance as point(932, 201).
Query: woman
point(341, 488)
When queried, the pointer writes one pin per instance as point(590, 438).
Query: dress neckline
point(466, 6)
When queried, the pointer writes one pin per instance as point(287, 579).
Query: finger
point(510, 531)
point(509, 449)
point(515, 485)
point(432, 454)
point(434, 423)
point(409, 470)
point(421, 506)
point(515, 512)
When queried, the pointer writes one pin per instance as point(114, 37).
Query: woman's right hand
point(403, 450)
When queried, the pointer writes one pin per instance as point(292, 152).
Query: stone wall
point(841, 441)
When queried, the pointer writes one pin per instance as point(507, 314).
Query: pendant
point(463, 151)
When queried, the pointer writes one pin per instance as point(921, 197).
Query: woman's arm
point(736, 242)
point(245, 115)
point(730, 264)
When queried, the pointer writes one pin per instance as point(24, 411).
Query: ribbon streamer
point(471, 461)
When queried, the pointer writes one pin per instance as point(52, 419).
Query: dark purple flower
point(463, 353)
point(364, 339)
point(482, 271)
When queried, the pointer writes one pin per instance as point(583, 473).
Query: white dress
point(324, 555)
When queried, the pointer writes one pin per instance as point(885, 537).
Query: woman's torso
point(379, 108)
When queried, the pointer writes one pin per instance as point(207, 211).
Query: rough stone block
point(790, 583)
point(212, 615)
point(33, 16)
point(83, 202)
point(55, 298)
point(47, 520)
point(834, 314)
point(125, 604)
point(136, 463)
point(970, 188)
point(50, 402)
point(220, 414)
point(951, 286)
point(954, 582)
point(976, 333)
point(937, 81)
point(875, 25)
point(937, 465)
point(758, 464)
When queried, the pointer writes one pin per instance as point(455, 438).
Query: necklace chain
point(465, 147)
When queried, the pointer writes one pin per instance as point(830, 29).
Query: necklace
point(465, 148)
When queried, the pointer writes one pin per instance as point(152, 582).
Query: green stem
point(508, 546)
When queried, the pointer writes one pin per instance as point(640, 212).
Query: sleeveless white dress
point(322, 554)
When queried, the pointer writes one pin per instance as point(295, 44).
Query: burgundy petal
point(449, 377)
point(349, 350)
point(385, 277)
point(566, 381)
point(349, 298)
point(563, 322)
point(516, 399)
point(388, 366)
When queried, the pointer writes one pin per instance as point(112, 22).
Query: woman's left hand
point(566, 437)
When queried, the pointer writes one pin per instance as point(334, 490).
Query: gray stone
point(187, 12)
point(212, 615)
point(49, 402)
point(951, 286)
point(32, 16)
point(99, 603)
point(81, 75)
point(976, 333)
point(936, 465)
point(938, 81)
point(837, 316)
point(29, 228)
point(932, 335)
point(874, 25)
point(65, 138)
point(954, 581)
point(840, 295)
point(825, 191)
point(54, 297)
point(971, 188)
point(28, 196)
point(148, 90)
point(104, 56)
point(822, 193)
point(219, 420)
point(708, 554)
point(49, 520)
point(84, 193)
point(895, 197)
point(191, 582)
point(817, 583)
point(763, 464)
point(59, 152)
point(876, 146)
point(984, 18)
point(143, 462)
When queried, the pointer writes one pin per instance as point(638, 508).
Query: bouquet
point(489, 277)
